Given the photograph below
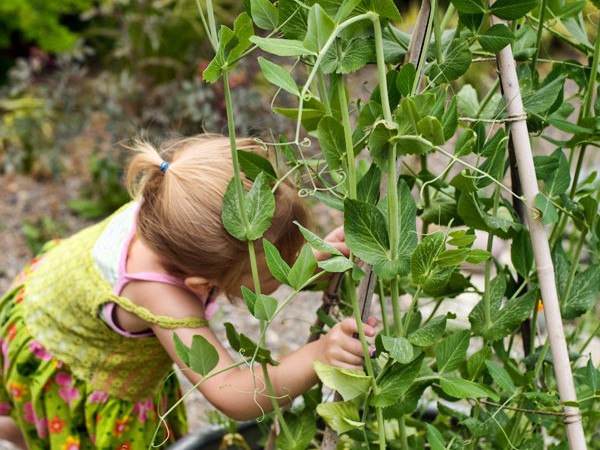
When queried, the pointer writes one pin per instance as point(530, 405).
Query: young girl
point(86, 333)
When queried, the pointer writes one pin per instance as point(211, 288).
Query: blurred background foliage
point(79, 77)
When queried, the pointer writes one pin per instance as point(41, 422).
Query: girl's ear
point(199, 285)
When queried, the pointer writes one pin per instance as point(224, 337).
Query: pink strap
point(210, 306)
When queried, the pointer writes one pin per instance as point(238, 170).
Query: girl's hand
point(340, 348)
point(336, 239)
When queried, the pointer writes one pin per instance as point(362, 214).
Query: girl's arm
point(240, 393)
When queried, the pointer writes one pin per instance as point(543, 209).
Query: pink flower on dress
point(30, 416)
point(4, 351)
point(71, 444)
point(63, 379)
point(69, 394)
point(39, 351)
point(141, 408)
point(98, 397)
point(4, 409)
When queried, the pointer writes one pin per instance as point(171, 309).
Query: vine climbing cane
point(541, 249)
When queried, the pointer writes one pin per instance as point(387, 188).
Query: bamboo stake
point(541, 248)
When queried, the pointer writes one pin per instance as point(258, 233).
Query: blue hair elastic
point(164, 166)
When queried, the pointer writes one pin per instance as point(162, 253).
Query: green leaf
point(260, 204)
point(469, 6)
point(264, 14)
point(547, 210)
point(430, 333)
point(478, 256)
point(349, 55)
point(384, 8)
point(336, 264)
point(246, 347)
point(340, 416)
point(250, 298)
point(232, 43)
point(435, 438)
point(452, 258)
point(399, 348)
point(316, 242)
point(365, 231)
point(367, 189)
point(320, 28)
point(425, 271)
point(541, 100)
point(303, 268)
point(456, 62)
point(301, 429)
point(496, 38)
point(332, 139)
point(276, 264)
point(349, 383)
point(181, 349)
point(396, 382)
point(379, 142)
point(503, 319)
point(583, 294)
point(450, 119)
point(521, 253)
point(501, 377)
point(281, 47)
point(512, 9)
point(203, 356)
point(230, 215)
point(451, 352)
point(462, 238)
point(459, 388)
point(431, 129)
point(406, 79)
point(265, 307)
point(278, 76)
point(253, 164)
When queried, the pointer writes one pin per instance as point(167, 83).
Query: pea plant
point(431, 160)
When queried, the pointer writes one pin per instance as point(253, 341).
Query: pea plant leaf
point(430, 333)
point(469, 6)
point(396, 382)
point(320, 28)
point(281, 47)
point(182, 350)
point(260, 204)
point(502, 318)
point(276, 264)
point(264, 14)
point(349, 383)
point(435, 438)
point(246, 347)
point(203, 356)
point(316, 242)
point(583, 294)
point(303, 268)
point(278, 76)
point(451, 352)
point(253, 164)
point(232, 43)
point(366, 233)
point(399, 348)
point(501, 376)
point(512, 9)
point(340, 416)
point(348, 55)
point(425, 271)
point(496, 38)
point(461, 388)
point(302, 429)
point(331, 137)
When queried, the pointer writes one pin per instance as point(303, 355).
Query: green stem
point(361, 336)
point(437, 30)
point(323, 91)
point(538, 44)
point(413, 303)
point(351, 166)
point(276, 407)
point(212, 38)
point(384, 314)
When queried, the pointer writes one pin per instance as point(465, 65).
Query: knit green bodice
point(63, 295)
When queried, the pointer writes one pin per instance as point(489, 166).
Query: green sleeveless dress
point(69, 380)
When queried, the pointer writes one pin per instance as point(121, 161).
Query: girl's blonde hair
point(180, 211)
